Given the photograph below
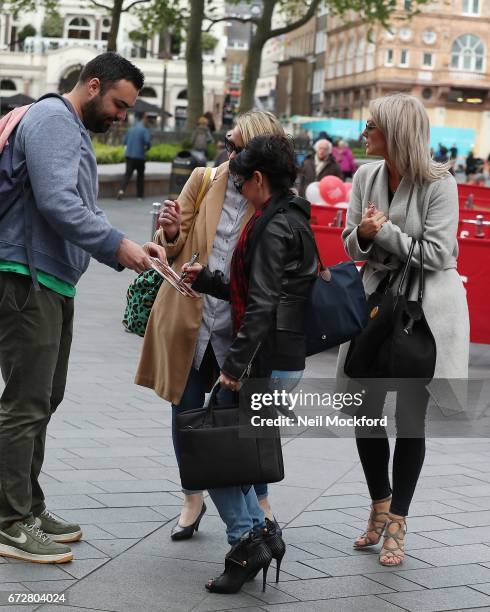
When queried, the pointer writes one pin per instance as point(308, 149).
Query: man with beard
point(53, 150)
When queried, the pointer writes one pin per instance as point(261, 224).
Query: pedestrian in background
point(211, 122)
point(201, 139)
point(345, 159)
point(137, 140)
point(321, 164)
point(52, 143)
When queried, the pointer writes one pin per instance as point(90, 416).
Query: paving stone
point(298, 570)
point(102, 516)
point(453, 598)
point(83, 550)
point(112, 548)
point(317, 549)
point(131, 530)
point(94, 532)
point(319, 517)
point(89, 475)
point(329, 588)
point(127, 500)
point(70, 502)
point(454, 555)
point(362, 564)
point(26, 572)
point(139, 486)
point(394, 581)
point(13, 587)
point(336, 502)
point(484, 588)
point(454, 537)
point(49, 586)
point(69, 488)
point(79, 568)
point(99, 463)
point(472, 519)
point(457, 575)
point(344, 604)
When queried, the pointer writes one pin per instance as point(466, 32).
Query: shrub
point(164, 152)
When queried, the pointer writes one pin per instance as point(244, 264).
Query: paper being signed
point(173, 278)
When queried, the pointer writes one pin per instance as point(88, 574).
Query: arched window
point(8, 85)
point(340, 60)
point(106, 27)
point(349, 64)
point(331, 63)
point(182, 95)
point(148, 92)
point(370, 53)
point(79, 27)
point(467, 53)
point(361, 50)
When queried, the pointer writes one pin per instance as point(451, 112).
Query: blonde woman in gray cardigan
point(380, 231)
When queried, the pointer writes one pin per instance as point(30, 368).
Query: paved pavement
point(110, 465)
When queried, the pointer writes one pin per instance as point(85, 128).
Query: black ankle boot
point(246, 558)
point(271, 534)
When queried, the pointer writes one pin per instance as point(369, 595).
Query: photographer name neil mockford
point(318, 421)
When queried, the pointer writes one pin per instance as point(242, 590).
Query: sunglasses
point(370, 126)
point(238, 183)
point(231, 147)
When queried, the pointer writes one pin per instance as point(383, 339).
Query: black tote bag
point(397, 341)
point(218, 449)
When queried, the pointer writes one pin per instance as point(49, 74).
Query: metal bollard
point(339, 219)
point(155, 212)
point(479, 233)
point(469, 202)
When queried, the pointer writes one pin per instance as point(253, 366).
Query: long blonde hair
point(404, 122)
point(258, 123)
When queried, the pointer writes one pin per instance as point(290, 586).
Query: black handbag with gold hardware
point(397, 341)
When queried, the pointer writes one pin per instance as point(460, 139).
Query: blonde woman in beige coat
point(187, 340)
point(380, 231)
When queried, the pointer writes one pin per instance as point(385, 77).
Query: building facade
point(53, 63)
point(441, 56)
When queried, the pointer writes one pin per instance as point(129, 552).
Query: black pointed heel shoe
point(271, 534)
point(245, 559)
point(184, 533)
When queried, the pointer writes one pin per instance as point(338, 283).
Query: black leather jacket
point(282, 268)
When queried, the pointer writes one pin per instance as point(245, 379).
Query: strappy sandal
point(397, 551)
point(379, 520)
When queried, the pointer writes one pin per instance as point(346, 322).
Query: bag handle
point(406, 267)
point(207, 179)
point(420, 296)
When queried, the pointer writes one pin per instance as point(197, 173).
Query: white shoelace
point(37, 531)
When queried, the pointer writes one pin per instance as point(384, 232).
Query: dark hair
point(110, 68)
point(273, 156)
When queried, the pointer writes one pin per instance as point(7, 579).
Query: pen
point(193, 260)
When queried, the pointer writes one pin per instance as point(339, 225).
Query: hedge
point(165, 152)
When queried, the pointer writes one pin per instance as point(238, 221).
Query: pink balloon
point(332, 189)
point(347, 189)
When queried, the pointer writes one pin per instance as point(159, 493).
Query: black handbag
point(218, 448)
point(397, 341)
point(336, 309)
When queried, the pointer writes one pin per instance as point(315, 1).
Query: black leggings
point(409, 454)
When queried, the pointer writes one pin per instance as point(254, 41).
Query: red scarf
point(239, 275)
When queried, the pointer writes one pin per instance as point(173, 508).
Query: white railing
point(42, 44)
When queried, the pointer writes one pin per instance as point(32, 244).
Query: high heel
point(378, 521)
point(271, 534)
point(246, 558)
point(184, 533)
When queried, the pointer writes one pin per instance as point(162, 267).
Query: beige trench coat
point(171, 335)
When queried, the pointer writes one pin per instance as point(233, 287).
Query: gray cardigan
point(433, 217)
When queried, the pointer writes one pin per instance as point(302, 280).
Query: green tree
point(298, 13)
point(52, 25)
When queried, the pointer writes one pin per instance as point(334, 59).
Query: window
point(318, 78)
point(427, 93)
point(8, 85)
point(371, 50)
point(331, 63)
point(389, 57)
point(79, 27)
point(407, 5)
point(405, 34)
point(471, 7)
point(320, 42)
point(404, 57)
point(349, 65)
point(340, 60)
point(236, 73)
point(106, 26)
point(148, 92)
point(361, 50)
point(427, 60)
point(467, 53)
point(429, 37)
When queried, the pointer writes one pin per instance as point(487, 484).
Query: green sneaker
point(56, 529)
point(27, 542)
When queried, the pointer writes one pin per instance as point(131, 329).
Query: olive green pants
point(35, 340)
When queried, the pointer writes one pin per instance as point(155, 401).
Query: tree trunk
point(254, 59)
point(193, 58)
point(115, 20)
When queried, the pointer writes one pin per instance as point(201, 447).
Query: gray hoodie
point(67, 225)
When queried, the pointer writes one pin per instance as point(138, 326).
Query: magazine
point(173, 278)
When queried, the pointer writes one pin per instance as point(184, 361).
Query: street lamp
point(163, 121)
